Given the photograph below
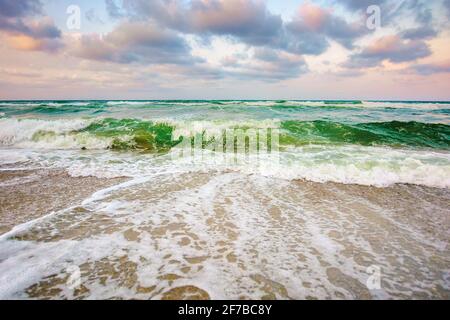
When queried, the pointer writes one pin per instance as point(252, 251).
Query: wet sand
point(226, 235)
point(26, 195)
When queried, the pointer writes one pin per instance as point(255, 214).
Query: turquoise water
point(337, 111)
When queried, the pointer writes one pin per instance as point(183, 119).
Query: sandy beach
point(304, 240)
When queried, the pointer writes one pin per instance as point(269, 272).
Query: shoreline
point(29, 194)
point(21, 191)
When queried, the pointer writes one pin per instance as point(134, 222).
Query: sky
point(225, 49)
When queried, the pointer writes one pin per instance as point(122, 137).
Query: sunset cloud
point(229, 44)
point(135, 42)
point(27, 43)
point(391, 48)
point(247, 20)
point(26, 27)
point(316, 25)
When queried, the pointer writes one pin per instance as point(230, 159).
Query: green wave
point(134, 134)
point(144, 135)
point(337, 102)
point(395, 133)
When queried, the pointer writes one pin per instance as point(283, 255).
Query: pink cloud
point(313, 17)
point(384, 45)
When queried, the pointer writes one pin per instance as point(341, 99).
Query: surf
point(137, 134)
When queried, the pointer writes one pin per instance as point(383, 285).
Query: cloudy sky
point(224, 49)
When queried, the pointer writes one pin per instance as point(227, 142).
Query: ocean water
point(351, 185)
point(368, 143)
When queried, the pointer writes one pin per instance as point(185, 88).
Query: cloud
point(265, 65)
point(313, 26)
point(247, 20)
point(447, 6)
point(423, 18)
point(418, 12)
point(432, 68)
point(391, 48)
point(419, 33)
point(135, 42)
point(147, 43)
point(16, 9)
point(250, 21)
point(26, 28)
point(27, 43)
point(12, 14)
point(43, 28)
point(159, 34)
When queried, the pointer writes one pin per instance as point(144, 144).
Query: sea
point(224, 199)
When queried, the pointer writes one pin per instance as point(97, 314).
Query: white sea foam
point(14, 131)
point(42, 103)
point(405, 105)
point(373, 166)
point(11, 157)
point(51, 134)
point(363, 104)
point(369, 104)
point(130, 103)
